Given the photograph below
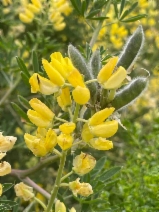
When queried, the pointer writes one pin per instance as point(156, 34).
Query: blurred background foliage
point(52, 28)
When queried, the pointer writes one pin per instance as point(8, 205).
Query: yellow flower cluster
point(58, 8)
point(30, 10)
point(6, 144)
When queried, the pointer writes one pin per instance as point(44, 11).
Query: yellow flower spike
point(81, 95)
point(52, 73)
point(25, 19)
point(24, 191)
point(67, 128)
point(2, 155)
point(59, 206)
point(83, 189)
point(64, 100)
point(50, 140)
point(83, 163)
point(65, 141)
point(86, 134)
point(42, 85)
point(6, 142)
point(100, 116)
point(107, 70)
point(76, 79)
point(37, 3)
point(101, 144)
point(72, 209)
point(33, 8)
point(116, 79)
point(105, 130)
point(36, 145)
point(5, 168)
point(1, 189)
point(41, 108)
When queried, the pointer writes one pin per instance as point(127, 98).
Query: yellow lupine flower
point(101, 143)
point(29, 14)
point(108, 79)
point(59, 26)
point(24, 18)
point(83, 189)
point(2, 155)
point(81, 95)
point(1, 189)
point(42, 85)
point(67, 128)
point(52, 73)
point(59, 67)
point(41, 146)
point(6, 142)
point(76, 79)
point(24, 191)
point(33, 8)
point(5, 168)
point(105, 130)
point(100, 116)
point(64, 100)
point(37, 3)
point(83, 163)
point(72, 209)
point(42, 116)
point(65, 141)
point(59, 206)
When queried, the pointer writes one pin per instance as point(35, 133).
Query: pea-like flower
point(64, 100)
point(6, 142)
point(59, 206)
point(108, 79)
point(5, 168)
point(83, 163)
point(67, 128)
point(83, 189)
point(42, 85)
point(101, 143)
point(41, 145)
point(65, 141)
point(1, 189)
point(24, 191)
point(41, 116)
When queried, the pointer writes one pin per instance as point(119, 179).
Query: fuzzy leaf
point(95, 63)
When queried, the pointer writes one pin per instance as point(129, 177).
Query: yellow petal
point(116, 79)
point(67, 128)
point(6, 142)
point(105, 130)
point(58, 56)
point(59, 206)
point(101, 143)
point(59, 67)
point(33, 8)
point(64, 141)
point(86, 134)
point(76, 79)
point(25, 18)
point(37, 3)
point(52, 73)
point(29, 14)
point(100, 116)
point(64, 100)
point(5, 168)
point(24, 191)
point(81, 95)
point(50, 140)
point(107, 70)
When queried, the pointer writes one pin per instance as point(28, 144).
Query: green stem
point(40, 202)
point(64, 185)
point(111, 95)
point(57, 183)
point(96, 32)
point(67, 175)
point(76, 113)
point(57, 152)
point(62, 120)
point(70, 113)
point(90, 81)
point(82, 120)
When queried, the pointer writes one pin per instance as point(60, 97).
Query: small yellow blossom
point(42, 85)
point(83, 163)
point(2, 155)
point(59, 206)
point(65, 141)
point(101, 143)
point(72, 209)
point(67, 128)
point(76, 79)
point(24, 18)
point(81, 95)
point(41, 116)
point(86, 133)
point(64, 100)
point(5, 168)
point(83, 189)
point(24, 191)
point(1, 189)
point(41, 144)
point(108, 79)
point(6, 142)
point(37, 3)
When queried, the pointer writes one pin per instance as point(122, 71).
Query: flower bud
point(42, 85)
point(83, 189)
point(105, 130)
point(5, 168)
point(81, 95)
point(24, 191)
point(65, 141)
point(6, 142)
point(67, 128)
point(83, 163)
point(64, 100)
point(101, 144)
point(59, 206)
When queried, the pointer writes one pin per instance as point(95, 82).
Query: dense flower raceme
point(24, 191)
